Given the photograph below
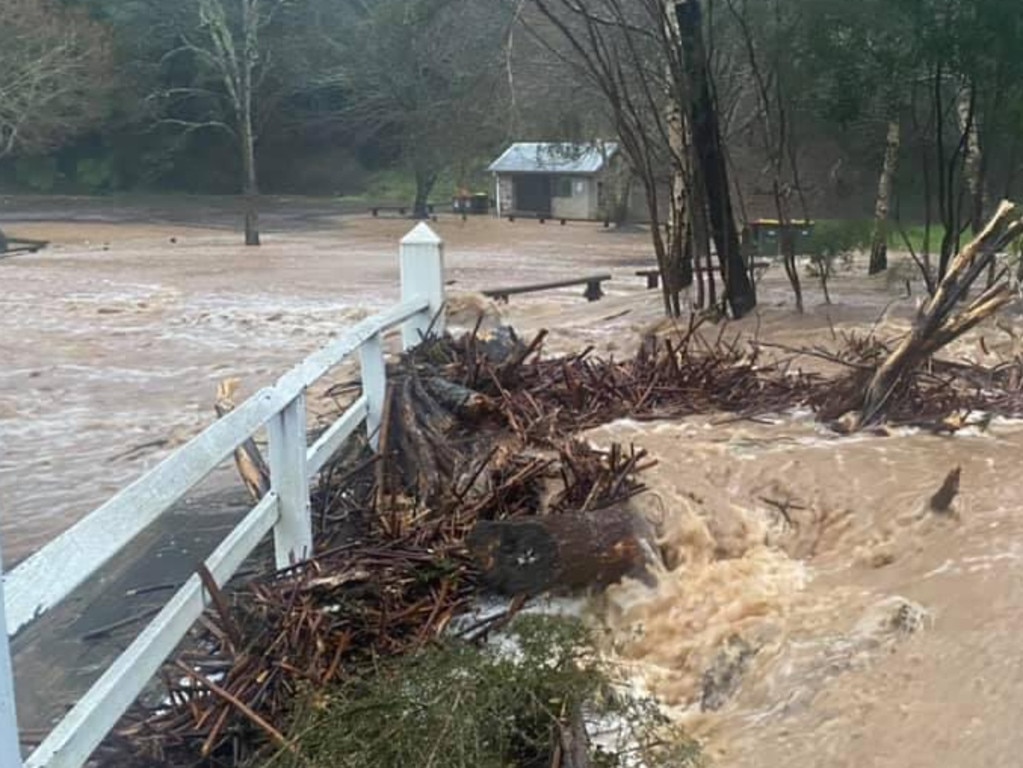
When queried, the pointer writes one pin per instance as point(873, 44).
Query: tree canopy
point(55, 74)
point(907, 109)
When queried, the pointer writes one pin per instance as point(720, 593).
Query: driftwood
point(253, 469)
point(562, 551)
point(939, 321)
point(941, 501)
point(11, 246)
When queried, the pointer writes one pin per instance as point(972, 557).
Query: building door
point(533, 194)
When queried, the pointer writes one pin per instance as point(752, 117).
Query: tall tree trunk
point(424, 186)
point(679, 275)
point(787, 245)
point(973, 166)
point(250, 188)
point(706, 135)
point(879, 247)
point(974, 161)
point(250, 185)
point(657, 235)
point(949, 167)
point(701, 232)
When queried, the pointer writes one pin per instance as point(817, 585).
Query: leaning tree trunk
point(706, 136)
point(879, 247)
point(938, 322)
point(252, 468)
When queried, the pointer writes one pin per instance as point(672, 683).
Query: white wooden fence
point(50, 575)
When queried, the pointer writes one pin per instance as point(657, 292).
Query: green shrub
point(458, 706)
point(95, 174)
point(833, 240)
point(38, 173)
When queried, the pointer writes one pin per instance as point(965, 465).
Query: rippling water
point(875, 632)
point(112, 341)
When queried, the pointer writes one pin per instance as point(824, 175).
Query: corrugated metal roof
point(554, 157)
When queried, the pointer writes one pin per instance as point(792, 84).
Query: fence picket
point(374, 386)
point(293, 534)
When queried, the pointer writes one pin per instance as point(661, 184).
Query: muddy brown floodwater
point(812, 610)
point(112, 340)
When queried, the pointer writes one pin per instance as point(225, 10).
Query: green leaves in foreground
point(458, 706)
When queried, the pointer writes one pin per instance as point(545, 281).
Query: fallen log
point(562, 551)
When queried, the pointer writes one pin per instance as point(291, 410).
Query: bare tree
point(633, 54)
point(764, 33)
point(228, 43)
point(55, 71)
point(424, 78)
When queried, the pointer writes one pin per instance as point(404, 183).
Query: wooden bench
point(543, 218)
point(653, 275)
point(9, 246)
point(400, 209)
point(593, 290)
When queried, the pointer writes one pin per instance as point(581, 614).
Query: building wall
point(505, 194)
point(580, 203)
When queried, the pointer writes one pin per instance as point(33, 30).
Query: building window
point(562, 186)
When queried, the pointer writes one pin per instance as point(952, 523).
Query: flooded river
point(846, 623)
point(113, 339)
point(812, 612)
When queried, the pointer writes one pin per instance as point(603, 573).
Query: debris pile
point(480, 433)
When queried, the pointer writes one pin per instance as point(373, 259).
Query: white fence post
point(422, 277)
point(293, 534)
point(10, 750)
point(374, 386)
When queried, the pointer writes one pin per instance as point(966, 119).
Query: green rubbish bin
point(480, 203)
point(476, 203)
point(765, 235)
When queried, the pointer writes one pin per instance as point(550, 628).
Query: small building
point(553, 180)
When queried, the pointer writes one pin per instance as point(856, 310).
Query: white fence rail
point(52, 573)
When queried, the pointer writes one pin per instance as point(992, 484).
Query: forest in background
point(347, 94)
point(904, 109)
